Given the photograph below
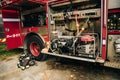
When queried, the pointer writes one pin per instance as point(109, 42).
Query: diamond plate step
point(112, 64)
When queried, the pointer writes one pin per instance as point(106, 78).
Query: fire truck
point(86, 30)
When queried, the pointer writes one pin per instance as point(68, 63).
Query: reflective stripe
point(104, 42)
point(10, 20)
point(0, 15)
point(2, 40)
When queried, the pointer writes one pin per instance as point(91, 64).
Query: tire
point(34, 47)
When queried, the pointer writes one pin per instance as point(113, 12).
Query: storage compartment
point(72, 20)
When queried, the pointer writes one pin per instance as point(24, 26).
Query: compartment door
point(12, 27)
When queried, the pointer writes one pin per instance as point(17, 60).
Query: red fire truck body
point(13, 27)
point(75, 29)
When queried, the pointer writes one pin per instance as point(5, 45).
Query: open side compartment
point(75, 28)
point(113, 43)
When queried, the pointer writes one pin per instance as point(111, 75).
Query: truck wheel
point(34, 47)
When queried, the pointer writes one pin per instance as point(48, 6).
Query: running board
point(70, 57)
point(112, 64)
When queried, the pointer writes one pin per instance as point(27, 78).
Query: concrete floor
point(55, 70)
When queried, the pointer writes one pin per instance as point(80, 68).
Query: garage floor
point(52, 69)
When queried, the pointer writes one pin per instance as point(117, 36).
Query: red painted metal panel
point(114, 32)
point(58, 2)
point(43, 2)
point(104, 41)
point(12, 28)
point(47, 37)
point(10, 14)
point(114, 11)
point(104, 28)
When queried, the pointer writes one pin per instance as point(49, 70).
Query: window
point(33, 14)
point(34, 19)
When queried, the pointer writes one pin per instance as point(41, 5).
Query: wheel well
point(29, 35)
